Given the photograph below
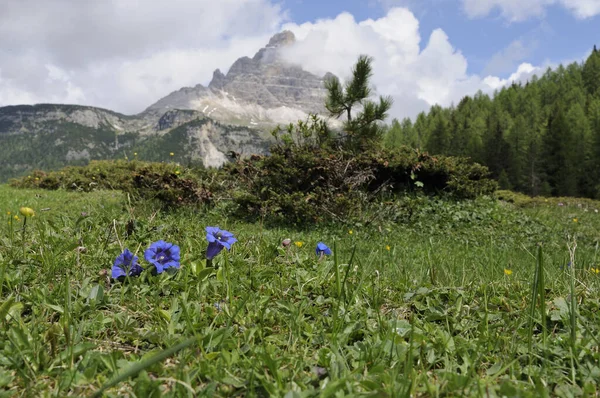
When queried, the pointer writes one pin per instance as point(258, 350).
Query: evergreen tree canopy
point(538, 137)
point(362, 128)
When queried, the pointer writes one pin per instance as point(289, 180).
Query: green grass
point(435, 315)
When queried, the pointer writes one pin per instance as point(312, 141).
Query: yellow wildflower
point(595, 270)
point(171, 154)
point(575, 220)
point(299, 244)
point(176, 171)
point(27, 211)
point(8, 213)
point(17, 218)
point(507, 271)
point(350, 232)
point(388, 248)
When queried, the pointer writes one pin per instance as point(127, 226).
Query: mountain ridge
point(234, 112)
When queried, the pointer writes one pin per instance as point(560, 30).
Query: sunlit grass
point(459, 299)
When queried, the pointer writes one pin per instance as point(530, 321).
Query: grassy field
point(435, 298)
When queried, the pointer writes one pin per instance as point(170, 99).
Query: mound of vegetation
point(296, 184)
point(143, 180)
point(312, 174)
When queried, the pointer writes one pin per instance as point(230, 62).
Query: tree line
point(539, 138)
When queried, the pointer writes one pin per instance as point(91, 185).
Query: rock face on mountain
point(262, 90)
point(201, 124)
point(31, 118)
point(49, 136)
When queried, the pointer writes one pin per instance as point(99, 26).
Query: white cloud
point(123, 54)
point(524, 73)
point(519, 10)
point(112, 55)
point(416, 76)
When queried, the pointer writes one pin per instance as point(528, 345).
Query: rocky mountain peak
point(264, 89)
point(218, 80)
point(281, 39)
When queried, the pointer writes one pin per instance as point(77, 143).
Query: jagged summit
point(264, 89)
point(254, 94)
point(284, 38)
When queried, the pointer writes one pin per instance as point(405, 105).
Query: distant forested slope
point(541, 137)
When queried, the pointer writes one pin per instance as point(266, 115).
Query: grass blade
point(139, 366)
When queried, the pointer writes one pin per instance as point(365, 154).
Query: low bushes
point(310, 184)
point(168, 183)
point(296, 184)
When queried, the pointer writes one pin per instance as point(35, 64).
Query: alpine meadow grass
point(462, 298)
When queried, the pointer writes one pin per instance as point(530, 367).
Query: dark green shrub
point(167, 182)
point(302, 184)
point(169, 188)
point(298, 184)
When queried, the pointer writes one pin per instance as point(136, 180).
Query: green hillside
point(538, 137)
point(438, 305)
point(37, 143)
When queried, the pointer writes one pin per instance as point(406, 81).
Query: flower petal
point(159, 267)
point(117, 272)
point(135, 270)
point(226, 234)
point(211, 233)
point(213, 249)
point(227, 244)
point(149, 254)
point(322, 248)
point(175, 252)
point(171, 264)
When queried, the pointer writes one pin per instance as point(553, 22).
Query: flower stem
point(23, 235)
point(227, 281)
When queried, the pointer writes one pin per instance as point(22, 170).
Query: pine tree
point(591, 73)
point(439, 140)
point(362, 128)
point(421, 130)
point(582, 150)
point(559, 154)
point(516, 138)
point(594, 120)
point(542, 137)
point(497, 150)
point(409, 133)
point(393, 136)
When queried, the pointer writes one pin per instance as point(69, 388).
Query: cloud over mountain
point(125, 55)
point(417, 75)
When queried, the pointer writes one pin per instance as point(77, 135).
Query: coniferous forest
point(540, 138)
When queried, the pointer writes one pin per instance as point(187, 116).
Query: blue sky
point(125, 55)
point(553, 37)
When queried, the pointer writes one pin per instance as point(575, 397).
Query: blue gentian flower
point(126, 264)
point(162, 255)
point(217, 240)
point(323, 249)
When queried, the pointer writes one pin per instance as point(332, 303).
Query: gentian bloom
point(126, 264)
point(162, 255)
point(217, 240)
point(322, 249)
